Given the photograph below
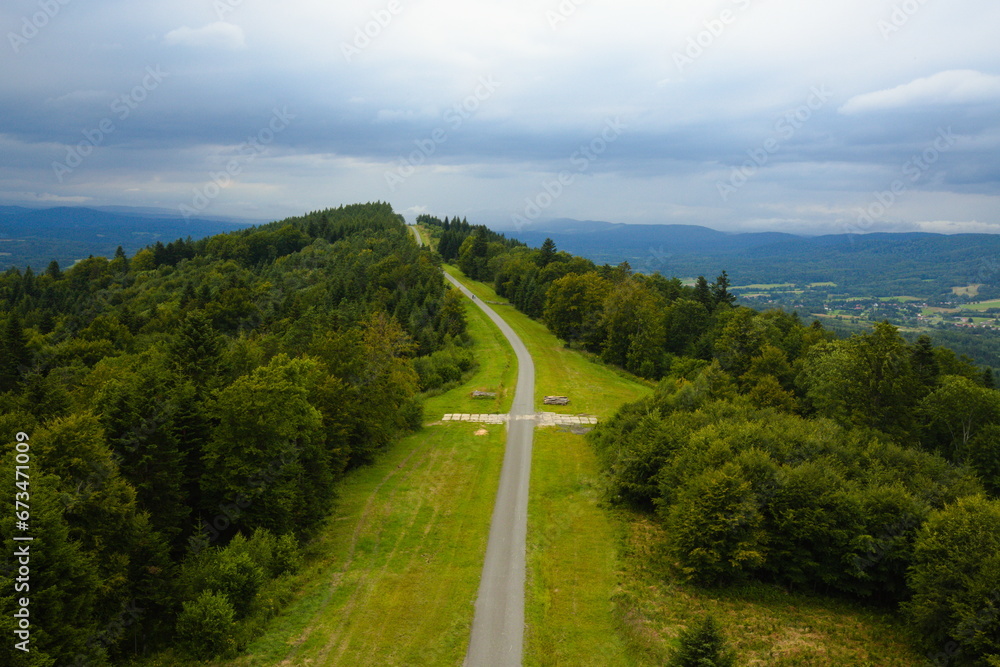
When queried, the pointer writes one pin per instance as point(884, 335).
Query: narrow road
point(498, 626)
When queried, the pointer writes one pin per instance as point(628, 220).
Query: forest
point(190, 410)
point(771, 451)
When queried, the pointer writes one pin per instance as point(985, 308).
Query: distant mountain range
point(881, 262)
point(35, 237)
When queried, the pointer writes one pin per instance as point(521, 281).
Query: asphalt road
point(498, 626)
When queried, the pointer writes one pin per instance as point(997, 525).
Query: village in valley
point(964, 308)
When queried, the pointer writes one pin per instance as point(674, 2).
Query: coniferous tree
point(15, 357)
point(720, 291)
point(703, 646)
point(547, 253)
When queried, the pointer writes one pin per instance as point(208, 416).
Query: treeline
point(639, 322)
point(456, 239)
point(191, 410)
point(866, 467)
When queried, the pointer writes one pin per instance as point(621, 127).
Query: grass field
point(767, 625)
point(573, 567)
point(968, 290)
point(982, 305)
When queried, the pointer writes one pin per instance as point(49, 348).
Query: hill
point(922, 264)
point(35, 237)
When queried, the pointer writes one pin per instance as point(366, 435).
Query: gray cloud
point(371, 83)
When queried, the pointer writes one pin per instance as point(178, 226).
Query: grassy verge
point(593, 388)
point(497, 372)
point(573, 565)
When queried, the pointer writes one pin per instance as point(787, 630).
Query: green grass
point(767, 625)
point(968, 290)
point(592, 388)
point(982, 305)
point(497, 372)
point(572, 559)
point(821, 285)
point(397, 570)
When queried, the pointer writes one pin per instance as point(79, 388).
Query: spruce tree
point(15, 358)
point(703, 645)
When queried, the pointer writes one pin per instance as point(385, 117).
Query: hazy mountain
point(34, 237)
point(880, 263)
point(589, 237)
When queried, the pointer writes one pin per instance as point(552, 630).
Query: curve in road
point(498, 625)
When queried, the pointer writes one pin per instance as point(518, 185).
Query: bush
point(703, 646)
point(275, 556)
point(717, 528)
point(955, 579)
point(231, 572)
point(205, 626)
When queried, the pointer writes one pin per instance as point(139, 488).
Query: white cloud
point(951, 87)
point(219, 35)
point(958, 227)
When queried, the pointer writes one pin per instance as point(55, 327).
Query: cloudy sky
point(794, 115)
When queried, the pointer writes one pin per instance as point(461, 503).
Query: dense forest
point(865, 467)
point(190, 410)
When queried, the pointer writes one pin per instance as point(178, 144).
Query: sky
point(803, 116)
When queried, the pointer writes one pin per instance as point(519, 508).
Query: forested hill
point(36, 237)
point(190, 413)
point(879, 263)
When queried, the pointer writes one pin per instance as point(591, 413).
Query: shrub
point(703, 646)
point(955, 578)
point(205, 626)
